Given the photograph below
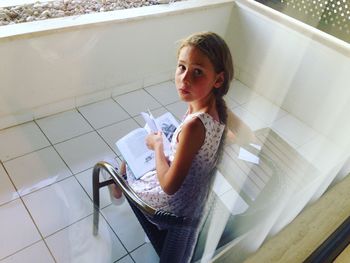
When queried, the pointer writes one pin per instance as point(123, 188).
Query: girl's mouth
point(183, 91)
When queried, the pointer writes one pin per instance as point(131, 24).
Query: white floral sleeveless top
point(190, 199)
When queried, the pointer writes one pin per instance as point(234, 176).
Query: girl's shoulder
point(205, 118)
point(193, 124)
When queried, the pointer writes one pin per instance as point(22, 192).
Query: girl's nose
point(186, 77)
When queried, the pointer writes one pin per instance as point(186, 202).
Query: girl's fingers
point(153, 138)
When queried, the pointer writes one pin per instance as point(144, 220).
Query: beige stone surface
point(344, 257)
point(308, 230)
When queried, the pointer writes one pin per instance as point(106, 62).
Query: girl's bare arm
point(190, 140)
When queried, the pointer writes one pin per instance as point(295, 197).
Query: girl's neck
point(208, 107)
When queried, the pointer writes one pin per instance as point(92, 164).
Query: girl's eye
point(181, 67)
point(198, 72)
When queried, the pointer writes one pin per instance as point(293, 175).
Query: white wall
point(304, 71)
point(51, 70)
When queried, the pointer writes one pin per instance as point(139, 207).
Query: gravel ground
point(61, 8)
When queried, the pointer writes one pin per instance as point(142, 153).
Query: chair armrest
point(128, 192)
point(157, 214)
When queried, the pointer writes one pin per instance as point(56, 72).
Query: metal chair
point(172, 244)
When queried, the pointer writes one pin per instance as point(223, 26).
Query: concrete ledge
point(103, 18)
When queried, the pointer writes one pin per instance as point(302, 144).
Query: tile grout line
point(153, 96)
point(27, 209)
point(30, 215)
point(110, 226)
point(99, 135)
point(69, 225)
point(145, 90)
point(124, 110)
point(53, 146)
point(37, 228)
point(13, 184)
point(24, 154)
point(118, 260)
point(22, 249)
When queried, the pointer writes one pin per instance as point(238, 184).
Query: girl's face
point(195, 77)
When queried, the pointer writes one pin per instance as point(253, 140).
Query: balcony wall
point(58, 64)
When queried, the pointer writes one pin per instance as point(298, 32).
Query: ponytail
point(221, 108)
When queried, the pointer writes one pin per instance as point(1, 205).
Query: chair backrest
point(252, 189)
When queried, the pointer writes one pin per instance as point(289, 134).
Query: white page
point(247, 156)
point(167, 124)
point(139, 158)
point(136, 143)
point(151, 125)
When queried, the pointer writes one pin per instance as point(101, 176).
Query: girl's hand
point(154, 140)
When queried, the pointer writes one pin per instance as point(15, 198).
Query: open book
point(133, 148)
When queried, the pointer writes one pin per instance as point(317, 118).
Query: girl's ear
point(220, 78)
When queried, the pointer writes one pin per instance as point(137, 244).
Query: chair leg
point(96, 198)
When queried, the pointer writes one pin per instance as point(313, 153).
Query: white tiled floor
point(45, 175)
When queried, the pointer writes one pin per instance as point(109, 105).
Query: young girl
point(181, 182)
